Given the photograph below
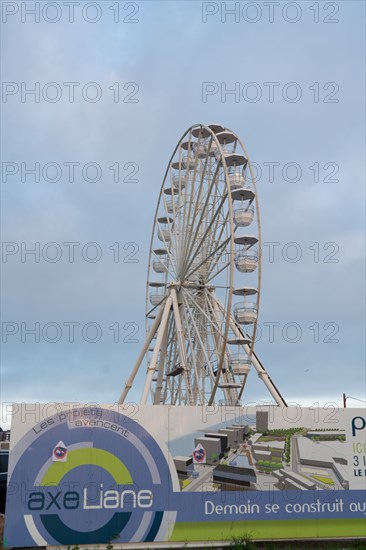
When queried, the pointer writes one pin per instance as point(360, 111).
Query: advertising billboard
point(110, 474)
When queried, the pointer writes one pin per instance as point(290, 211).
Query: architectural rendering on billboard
point(93, 475)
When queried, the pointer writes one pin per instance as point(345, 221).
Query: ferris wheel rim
point(259, 231)
point(210, 133)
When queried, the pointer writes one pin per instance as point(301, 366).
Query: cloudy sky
point(117, 84)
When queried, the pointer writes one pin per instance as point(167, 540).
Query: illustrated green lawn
point(266, 438)
point(325, 480)
point(185, 483)
point(291, 529)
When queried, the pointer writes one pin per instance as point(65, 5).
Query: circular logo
point(89, 476)
point(59, 453)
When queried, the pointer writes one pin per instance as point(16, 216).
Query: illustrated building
point(325, 434)
point(232, 477)
point(223, 438)
point(183, 465)
point(272, 450)
point(232, 436)
point(290, 480)
point(262, 454)
point(327, 454)
point(243, 430)
point(261, 421)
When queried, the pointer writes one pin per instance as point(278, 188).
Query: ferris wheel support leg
point(149, 337)
point(231, 396)
point(264, 376)
point(152, 366)
point(181, 346)
point(159, 383)
point(206, 356)
point(262, 373)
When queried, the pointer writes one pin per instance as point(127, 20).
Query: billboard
point(110, 474)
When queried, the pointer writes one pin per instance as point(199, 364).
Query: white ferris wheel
point(204, 276)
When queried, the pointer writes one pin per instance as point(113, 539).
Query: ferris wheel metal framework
point(198, 345)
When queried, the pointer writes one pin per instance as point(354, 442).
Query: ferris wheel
point(204, 276)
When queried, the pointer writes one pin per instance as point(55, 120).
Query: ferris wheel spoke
point(162, 357)
point(195, 305)
point(217, 273)
point(177, 211)
point(209, 210)
point(219, 248)
point(232, 393)
point(212, 322)
point(172, 259)
point(217, 238)
point(195, 198)
point(185, 219)
point(221, 218)
point(193, 360)
point(181, 345)
point(173, 275)
point(219, 227)
point(206, 352)
point(222, 363)
point(173, 359)
point(199, 208)
point(199, 338)
point(208, 240)
point(213, 338)
point(170, 358)
point(196, 191)
point(218, 265)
